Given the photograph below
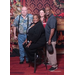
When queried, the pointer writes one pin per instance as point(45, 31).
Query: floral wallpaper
point(15, 9)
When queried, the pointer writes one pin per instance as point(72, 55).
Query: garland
point(58, 4)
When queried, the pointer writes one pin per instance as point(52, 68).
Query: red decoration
point(62, 15)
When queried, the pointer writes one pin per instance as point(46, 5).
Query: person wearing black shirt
point(35, 37)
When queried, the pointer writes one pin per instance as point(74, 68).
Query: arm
point(15, 25)
point(25, 42)
point(15, 37)
point(29, 43)
point(51, 34)
point(52, 26)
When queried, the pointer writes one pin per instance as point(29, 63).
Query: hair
point(44, 15)
point(37, 16)
point(43, 10)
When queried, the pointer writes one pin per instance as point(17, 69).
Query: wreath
point(58, 4)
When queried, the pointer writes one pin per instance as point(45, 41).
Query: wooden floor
point(23, 69)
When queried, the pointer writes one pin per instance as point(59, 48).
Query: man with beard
point(50, 31)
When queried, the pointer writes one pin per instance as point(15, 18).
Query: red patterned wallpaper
point(57, 6)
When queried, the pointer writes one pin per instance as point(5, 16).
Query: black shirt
point(37, 33)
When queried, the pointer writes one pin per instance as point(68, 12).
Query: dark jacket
point(37, 33)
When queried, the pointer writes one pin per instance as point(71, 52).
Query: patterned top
point(23, 23)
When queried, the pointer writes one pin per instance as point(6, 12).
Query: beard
point(47, 14)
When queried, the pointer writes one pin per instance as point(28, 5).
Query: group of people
point(35, 31)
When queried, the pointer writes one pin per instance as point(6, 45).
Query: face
point(47, 11)
point(24, 11)
point(35, 19)
point(42, 13)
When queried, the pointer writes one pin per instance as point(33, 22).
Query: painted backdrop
point(57, 7)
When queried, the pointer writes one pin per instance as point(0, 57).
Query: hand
point(15, 37)
point(28, 45)
point(49, 42)
point(25, 42)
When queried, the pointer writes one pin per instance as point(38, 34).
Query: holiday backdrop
point(57, 8)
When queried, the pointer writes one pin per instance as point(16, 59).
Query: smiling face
point(24, 11)
point(47, 11)
point(42, 13)
point(35, 18)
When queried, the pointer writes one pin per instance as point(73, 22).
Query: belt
point(22, 33)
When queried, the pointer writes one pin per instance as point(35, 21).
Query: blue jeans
point(21, 39)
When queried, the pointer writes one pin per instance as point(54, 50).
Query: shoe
point(52, 68)
point(21, 62)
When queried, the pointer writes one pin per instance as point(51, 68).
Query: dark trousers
point(32, 49)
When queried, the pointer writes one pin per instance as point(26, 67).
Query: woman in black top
point(35, 37)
